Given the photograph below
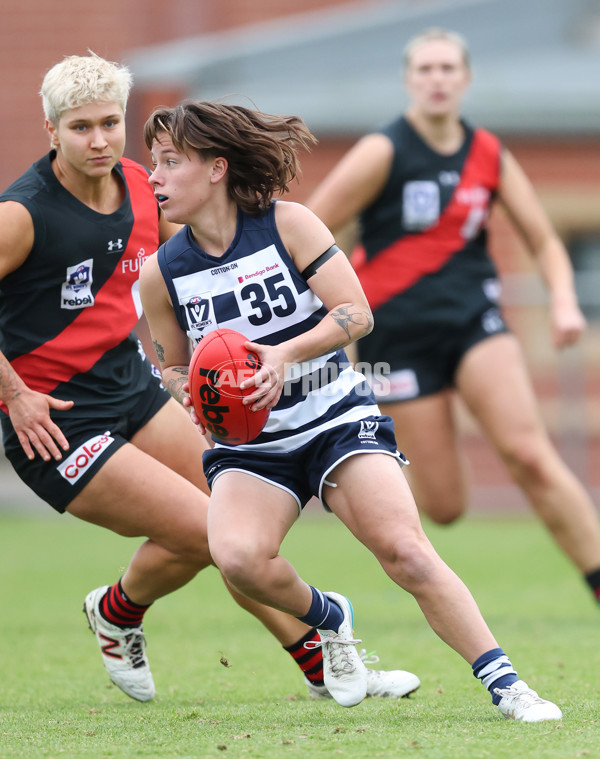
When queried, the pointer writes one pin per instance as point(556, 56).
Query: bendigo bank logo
point(81, 460)
point(219, 390)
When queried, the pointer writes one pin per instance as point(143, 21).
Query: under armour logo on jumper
point(115, 245)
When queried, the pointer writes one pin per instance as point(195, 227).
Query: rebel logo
point(211, 407)
point(219, 366)
point(219, 390)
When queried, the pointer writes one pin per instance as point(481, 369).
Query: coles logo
point(80, 460)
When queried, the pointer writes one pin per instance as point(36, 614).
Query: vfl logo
point(81, 460)
point(115, 245)
point(368, 430)
point(198, 313)
point(76, 290)
point(420, 204)
point(79, 278)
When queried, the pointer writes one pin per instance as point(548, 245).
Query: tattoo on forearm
point(347, 315)
point(8, 381)
point(175, 384)
point(160, 351)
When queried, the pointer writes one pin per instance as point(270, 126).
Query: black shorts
point(304, 471)
point(411, 362)
point(92, 442)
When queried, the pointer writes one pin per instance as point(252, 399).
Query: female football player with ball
point(85, 422)
point(271, 271)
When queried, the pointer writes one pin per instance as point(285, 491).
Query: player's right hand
point(30, 416)
point(187, 403)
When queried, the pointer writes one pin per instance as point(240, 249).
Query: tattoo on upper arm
point(160, 351)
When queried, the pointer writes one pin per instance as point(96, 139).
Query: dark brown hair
point(260, 149)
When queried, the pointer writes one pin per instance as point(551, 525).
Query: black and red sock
point(119, 610)
point(310, 660)
point(593, 580)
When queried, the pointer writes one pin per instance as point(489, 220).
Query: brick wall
point(36, 34)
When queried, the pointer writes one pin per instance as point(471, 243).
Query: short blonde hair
point(78, 80)
point(436, 33)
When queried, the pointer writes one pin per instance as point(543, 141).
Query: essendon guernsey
point(424, 238)
point(67, 314)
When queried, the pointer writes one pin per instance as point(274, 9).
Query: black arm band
point(319, 261)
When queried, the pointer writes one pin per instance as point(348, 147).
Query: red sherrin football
point(217, 367)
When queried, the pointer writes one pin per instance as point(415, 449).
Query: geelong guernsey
point(255, 289)
point(67, 314)
point(424, 255)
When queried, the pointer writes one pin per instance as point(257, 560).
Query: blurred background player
point(284, 284)
point(423, 187)
point(85, 423)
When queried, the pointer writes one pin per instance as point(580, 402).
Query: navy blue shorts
point(303, 471)
point(92, 442)
point(412, 362)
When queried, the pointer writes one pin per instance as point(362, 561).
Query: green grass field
point(56, 701)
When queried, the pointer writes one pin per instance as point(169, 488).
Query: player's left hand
point(568, 324)
point(268, 380)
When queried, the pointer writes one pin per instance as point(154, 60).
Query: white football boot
point(394, 683)
point(521, 703)
point(123, 650)
point(344, 673)
point(381, 683)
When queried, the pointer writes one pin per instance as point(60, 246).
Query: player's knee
point(408, 559)
point(443, 511)
point(442, 499)
point(197, 552)
point(125, 531)
point(528, 462)
point(189, 544)
point(238, 563)
point(444, 516)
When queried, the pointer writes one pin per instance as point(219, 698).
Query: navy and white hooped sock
point(593, 580)
point(119, 610)
point(323, 613)
point(495, 670)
